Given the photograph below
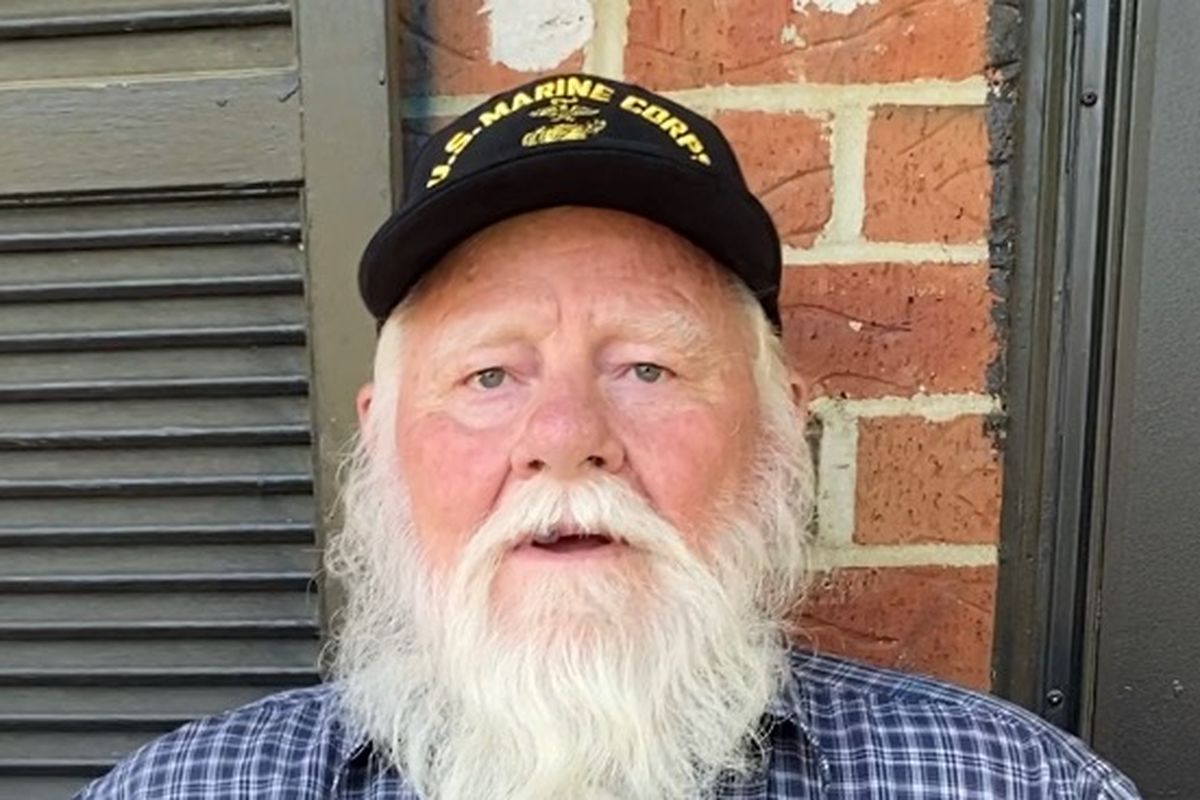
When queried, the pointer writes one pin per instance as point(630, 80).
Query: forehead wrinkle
point(653, 286)
point(455, 316)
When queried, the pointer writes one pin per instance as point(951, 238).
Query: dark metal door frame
point(1071, 185)
point(1143, 663)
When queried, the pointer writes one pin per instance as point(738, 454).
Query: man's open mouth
point(568, 540)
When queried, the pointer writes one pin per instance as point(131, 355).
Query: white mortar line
point(862, 252)
point(904, 555)
point(832, 96)
point(930, 407)
point(605, 53)
point(837, 476)
point(806, 97)
point(848, 157)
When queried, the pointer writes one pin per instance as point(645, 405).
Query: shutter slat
point(103, 317)
point(29, 8)
point(182, 676)
point(247, 336)
point(160, 52)
point(228, 286)
point(61, 745)
point(195, 365)
point(211, 129)
point(170, 486)
point(259, 629)
point(197, 262)
point(138, 20)
point(235, 463)
point(126, 212)
point(149, 236)
point(187, 701)
point(182, 582)
point(55, 767)
point(247, 435)
point(162, 510)
point(264, 386)
point(203, 606)
point(277, 647)
point(89, 722)
point(161, 558)
point(141, 535)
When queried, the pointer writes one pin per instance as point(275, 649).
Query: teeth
point(557, 533)
point(545, 537)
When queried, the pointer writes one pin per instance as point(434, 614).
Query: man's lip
point(574, 543)
point(569, 549)
point(565, 530)
point(576, 538)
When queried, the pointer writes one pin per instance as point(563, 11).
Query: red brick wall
point(861, 124)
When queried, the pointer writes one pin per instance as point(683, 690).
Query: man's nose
point(568, 436)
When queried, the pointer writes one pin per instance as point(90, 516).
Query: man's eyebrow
point(677, 328)
point(469, 332)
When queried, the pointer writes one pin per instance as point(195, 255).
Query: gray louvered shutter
point(156, 513)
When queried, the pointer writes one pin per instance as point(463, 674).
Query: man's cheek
point(682, 460)
point(454, 477)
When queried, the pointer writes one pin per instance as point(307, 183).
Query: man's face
point(577, 511)
point(565, 345)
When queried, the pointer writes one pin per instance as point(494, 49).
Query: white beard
point(594, 684)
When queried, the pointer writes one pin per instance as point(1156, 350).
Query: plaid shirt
point(839, 730)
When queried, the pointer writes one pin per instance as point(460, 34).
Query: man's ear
point(799, 395)
point(362, 402)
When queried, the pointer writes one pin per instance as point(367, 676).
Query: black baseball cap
point(576, 140)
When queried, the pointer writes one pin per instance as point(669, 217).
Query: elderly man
point(576, 519)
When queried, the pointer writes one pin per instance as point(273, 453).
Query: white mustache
point(541, 508)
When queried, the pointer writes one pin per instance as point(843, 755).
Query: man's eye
point(648, 373)
point(489, 378)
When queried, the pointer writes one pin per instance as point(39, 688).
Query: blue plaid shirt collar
point(836, 730)
point(786, 708)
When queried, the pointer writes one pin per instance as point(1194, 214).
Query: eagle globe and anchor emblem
point(568, 120)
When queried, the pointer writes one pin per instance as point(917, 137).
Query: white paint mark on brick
point(835, 6)
point(904, 555)
point(789, 35)
point(931, 407)
point(827, 252)
point(531, 35)
point(837, 471)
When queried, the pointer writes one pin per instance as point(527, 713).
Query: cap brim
point(718, 216)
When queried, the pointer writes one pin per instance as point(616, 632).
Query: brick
point(927, 176)
point(444, 49)
point(889, 329)
point(921, 481)
point(785, 158)
point(932, 620)
point(675, 44)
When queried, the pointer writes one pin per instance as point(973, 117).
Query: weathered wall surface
point(864, 126)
